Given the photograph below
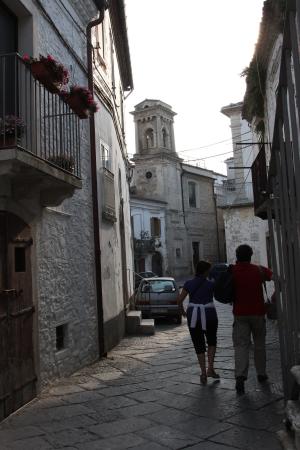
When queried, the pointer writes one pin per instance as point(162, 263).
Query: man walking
point(249, 316)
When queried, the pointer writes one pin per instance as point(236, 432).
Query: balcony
point(143, 247)
point(260, 184)
point(39, 138)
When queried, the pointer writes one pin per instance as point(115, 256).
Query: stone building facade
point(241, 225)
point(48, 204)
point(188, 191)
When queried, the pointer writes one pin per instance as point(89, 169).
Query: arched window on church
point(164, 137)
point(149, 138)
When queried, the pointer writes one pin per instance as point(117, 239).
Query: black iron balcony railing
point(34, 120)
point(144, 246)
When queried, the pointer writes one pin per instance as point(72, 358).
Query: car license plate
point(159, 310)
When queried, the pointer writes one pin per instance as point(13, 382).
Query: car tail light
point(142, 302)
point(172, 302)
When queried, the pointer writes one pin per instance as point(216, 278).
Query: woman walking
point(202, 318)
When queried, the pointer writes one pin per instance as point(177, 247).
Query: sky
point(190, 54)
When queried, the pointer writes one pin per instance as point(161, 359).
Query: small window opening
point(20, 259)
point(178, 253)
point(61, 337)
point(192, 194)
point(155, 227)
point(149, 138)
point(164, 137)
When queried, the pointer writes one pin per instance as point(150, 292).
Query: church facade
point(191, 229)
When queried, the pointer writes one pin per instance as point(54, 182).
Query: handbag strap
point(263, 281)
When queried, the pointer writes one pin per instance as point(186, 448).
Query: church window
point(155, 227)
point(178, 248)
point(178, 252)
point(164, 137)
point(192, 194)
point(149, 138)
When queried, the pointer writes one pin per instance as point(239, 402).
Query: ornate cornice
point(119, 29)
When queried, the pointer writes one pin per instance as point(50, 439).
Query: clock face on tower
point(149, 174)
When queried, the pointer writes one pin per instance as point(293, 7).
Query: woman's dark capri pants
point(198, 335)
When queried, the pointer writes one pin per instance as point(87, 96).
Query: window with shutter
point(155, 227)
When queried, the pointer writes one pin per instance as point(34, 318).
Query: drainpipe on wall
point(96, 223)
point(217, 221)
point(182, 196)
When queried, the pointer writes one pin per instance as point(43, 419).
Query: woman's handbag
point(270, 304)
point(271, 308)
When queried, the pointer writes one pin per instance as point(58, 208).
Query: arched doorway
point(17, 373)
point(157, 263)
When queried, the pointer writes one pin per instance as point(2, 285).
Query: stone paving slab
point(146, 396)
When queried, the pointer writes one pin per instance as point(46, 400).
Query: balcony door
point(8, 72)
point(17, 372)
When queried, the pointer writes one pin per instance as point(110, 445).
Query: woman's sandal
point(203, 378)
point(213, 374)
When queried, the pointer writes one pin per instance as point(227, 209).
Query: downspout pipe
point(217, 221)
point(96, 222)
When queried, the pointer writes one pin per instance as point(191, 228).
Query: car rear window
point(159, 286)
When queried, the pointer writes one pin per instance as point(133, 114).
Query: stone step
point(133, 321)
point(295, 371)
point(147, 326)
point(286, 440)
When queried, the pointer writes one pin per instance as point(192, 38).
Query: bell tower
point(157, 176)
point(154, 128)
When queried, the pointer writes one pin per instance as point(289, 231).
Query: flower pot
point(41, 73)
point(9, 141)
point(75, 103)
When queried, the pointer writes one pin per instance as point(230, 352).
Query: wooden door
point(17, 372)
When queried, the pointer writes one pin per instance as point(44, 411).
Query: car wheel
point(179, 319)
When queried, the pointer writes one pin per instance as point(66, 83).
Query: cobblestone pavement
point(146, 395)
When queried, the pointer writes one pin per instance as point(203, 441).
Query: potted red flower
point(80, 101)
point(48, 72)
point(11, 130)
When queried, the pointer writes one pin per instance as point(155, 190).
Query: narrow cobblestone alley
point(146, 395)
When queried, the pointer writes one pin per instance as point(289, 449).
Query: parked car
point(217, 269)
point(156, 297)
point(140, 276)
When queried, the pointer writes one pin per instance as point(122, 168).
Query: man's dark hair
point(244, 253)
point(202, 267)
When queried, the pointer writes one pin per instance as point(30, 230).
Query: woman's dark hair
point(202, 267)
point(244, 253)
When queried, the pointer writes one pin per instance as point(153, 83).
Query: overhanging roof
point(119, 29)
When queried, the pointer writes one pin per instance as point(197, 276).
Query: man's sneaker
point(262, 378)
point(239, 385)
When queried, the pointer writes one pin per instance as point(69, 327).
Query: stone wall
point(63, 251)
point(242, 227)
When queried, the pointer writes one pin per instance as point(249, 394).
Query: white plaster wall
point(242, 227)
point(141, 214)
point(110, 233)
